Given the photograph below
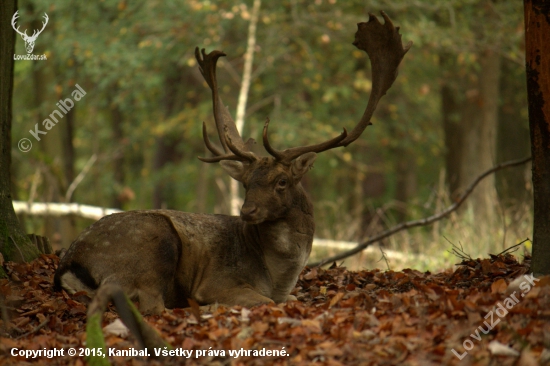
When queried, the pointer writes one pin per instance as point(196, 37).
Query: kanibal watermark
point(64, 105)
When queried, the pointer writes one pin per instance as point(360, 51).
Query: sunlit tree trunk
point(470, 116)
point(49, 145)
point(14, 244)
point(166, 144)
point(537, 49)
point(235, 201)
point(117, 123)
point(480, 119)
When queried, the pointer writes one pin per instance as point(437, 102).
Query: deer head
point(29, 41)
point(280, 173)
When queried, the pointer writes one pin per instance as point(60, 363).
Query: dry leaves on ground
point(340, 318)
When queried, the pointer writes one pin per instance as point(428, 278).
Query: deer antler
point(382, 42)
point(227, 131)
point(290, 154)
point(14, 22)
point(35, 33)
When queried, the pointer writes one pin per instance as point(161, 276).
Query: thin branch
point(513, 248)
point(422, 222)
point(80, 177)
point(458, 252)
point(384, 257)
point(36, 329)
point(35, 182)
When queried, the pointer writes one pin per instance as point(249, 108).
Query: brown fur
point(161, 258)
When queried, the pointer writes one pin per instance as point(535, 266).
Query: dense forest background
point(457, 108)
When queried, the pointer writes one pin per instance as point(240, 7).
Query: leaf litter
point(368, 317)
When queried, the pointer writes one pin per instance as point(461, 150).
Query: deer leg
point(246, 297)
point(150, 301)
point(149, 296)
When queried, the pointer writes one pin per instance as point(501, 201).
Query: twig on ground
point(384, 257)
point(513, 248)
point(459, 252)
point(36, 329)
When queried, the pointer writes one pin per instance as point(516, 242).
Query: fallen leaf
point(499, 349)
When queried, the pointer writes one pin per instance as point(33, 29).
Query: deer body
point(209, 258)
point(162, 258)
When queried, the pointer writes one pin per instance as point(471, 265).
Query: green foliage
point(95, 341)
point(308, 78)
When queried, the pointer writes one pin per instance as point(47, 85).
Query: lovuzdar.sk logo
point(29, 40)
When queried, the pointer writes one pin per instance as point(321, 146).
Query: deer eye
point(282, 183)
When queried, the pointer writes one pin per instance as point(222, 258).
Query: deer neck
point(285, 244)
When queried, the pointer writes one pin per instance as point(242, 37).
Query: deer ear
point(302, 164)
point(234, 168)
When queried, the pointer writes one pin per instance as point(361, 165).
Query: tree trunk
point(68, 148)
point(537, 57)
point(452, 128)
point(167, 143)
point(480, 121)
point(165, 153)
point(14, 244)
point(235, 199)
point(470, 122)
point(67, 225)
point(68, 229)
point(117, 121)
point(405, 189)
point(50, 145)
point(513, 137)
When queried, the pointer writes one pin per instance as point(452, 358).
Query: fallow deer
point(162, 258)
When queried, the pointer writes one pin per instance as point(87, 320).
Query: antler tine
point(219, 155)
point(213, 149)
point(275, 153)
point(288, 155)
point(14, 23)
point(242, 154)
point(382, 42)
point(43, 24)
point(36, 32)
point(217, 159)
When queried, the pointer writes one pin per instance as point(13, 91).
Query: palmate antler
point(382, 43)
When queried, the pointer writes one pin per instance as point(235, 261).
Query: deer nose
point(248, 210)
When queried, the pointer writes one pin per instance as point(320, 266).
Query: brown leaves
point(341, 318)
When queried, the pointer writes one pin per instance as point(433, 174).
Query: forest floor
point(474, 315)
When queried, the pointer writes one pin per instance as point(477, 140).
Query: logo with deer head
point(29, 40)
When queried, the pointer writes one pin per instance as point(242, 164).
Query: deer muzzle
point(250, 213)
